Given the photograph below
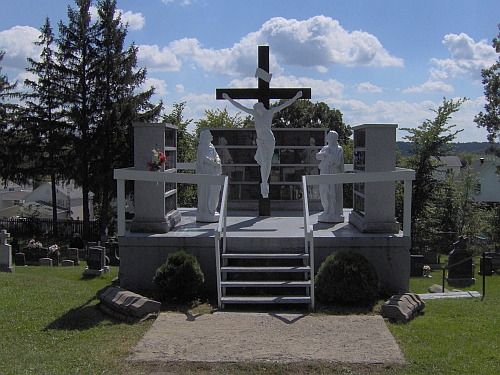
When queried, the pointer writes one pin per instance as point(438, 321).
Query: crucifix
point(263, 117)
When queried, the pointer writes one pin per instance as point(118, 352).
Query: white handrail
point(408, 175)
point(121, 175)
point(220, 233)
point(308, 238)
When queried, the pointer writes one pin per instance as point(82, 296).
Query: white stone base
point(326, 218)
point(139, 225)
point(91, 272)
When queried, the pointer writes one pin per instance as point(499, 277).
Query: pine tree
point(8, 135)
point(77, 53)
point(118, 106)
point(43, 120)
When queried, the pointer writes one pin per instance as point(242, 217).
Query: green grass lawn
point(49, 325)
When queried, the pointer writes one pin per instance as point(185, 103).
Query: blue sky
point(375, 61)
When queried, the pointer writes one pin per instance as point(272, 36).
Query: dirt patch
point(271, 338)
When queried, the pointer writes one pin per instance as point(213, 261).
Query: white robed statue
point(207, 162)
point(331, 159)
point(263, 118)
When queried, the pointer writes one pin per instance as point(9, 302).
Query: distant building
point(488, 187)
point(38, 202)
point(448, 164)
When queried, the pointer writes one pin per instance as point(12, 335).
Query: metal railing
point(308, 238)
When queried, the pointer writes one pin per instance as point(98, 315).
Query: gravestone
point(47, 262)
point(486, 266)
point(402, 308)
point(95, 261)
point(19, 259)
point(460, 265)
point(74, 255)
point(5, 253)
point(417, 263)
point(112, 252)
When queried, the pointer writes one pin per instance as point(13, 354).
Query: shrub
point(179, 277)
point(347, 278)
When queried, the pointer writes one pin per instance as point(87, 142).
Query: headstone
point(402, 307)
point(112, 252)
point(495, 260)
point(5, 253)
point(67, 263)
point(31, 255)
point(460, 265)
point(95, 261)
point(19, 259)
point(486, 266)
point(47, 262)
point(417, 263)
point(74, 255)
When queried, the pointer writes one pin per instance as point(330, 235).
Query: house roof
point(14, 195)
point(478, 166)
point(449, 161)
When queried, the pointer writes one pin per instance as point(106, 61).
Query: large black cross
point(263, 93)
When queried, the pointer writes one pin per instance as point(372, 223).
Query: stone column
point(151, 212)
point(5, 253)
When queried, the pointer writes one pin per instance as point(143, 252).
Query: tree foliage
point(490, 118)
point(306, 114)
point(429, 141)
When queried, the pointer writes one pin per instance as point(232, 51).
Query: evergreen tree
point(43, 122)
point(9, 139)
point(490, 118)
point(118, 107)
point(81, 73)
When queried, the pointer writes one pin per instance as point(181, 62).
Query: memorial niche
point(294, 156)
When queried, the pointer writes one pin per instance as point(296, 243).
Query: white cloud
point(321, 41)
point(17, 43)
point(467, 58)
point(410, 115)
point(317, 42)
point(179, 88)
point(368, 87)
point(156, 60)
point(136, 21)
point(431, 87)
point(319, 88)
point(159, 85)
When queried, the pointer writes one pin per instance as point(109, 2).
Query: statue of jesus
point(263, 118)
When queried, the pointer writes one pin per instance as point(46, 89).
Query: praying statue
point(263, 119)
point(331, 159)
point(207, 162)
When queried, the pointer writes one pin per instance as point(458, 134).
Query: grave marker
point(5, 253)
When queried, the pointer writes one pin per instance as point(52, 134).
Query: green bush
point(180, 277)
point(347, 278)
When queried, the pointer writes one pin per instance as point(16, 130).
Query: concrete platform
point(142, 253)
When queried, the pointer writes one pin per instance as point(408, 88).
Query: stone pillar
point(155, 212)
point(5, 253)
point(374, 202)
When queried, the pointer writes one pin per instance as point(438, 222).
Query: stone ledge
point(125, 304)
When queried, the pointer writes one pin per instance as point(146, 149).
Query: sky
point(375, 61)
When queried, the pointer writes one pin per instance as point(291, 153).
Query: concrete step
point(265, 284)
point(264, 256)
point(265, 269)
point(265, 299)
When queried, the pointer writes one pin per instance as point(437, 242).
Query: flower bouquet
point(157, 160)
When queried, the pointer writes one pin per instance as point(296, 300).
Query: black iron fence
point(37, 227)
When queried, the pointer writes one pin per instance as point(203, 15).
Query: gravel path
point(280, 338)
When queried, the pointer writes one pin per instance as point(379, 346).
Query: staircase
point(265, 277)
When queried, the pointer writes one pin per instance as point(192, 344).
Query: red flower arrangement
point(157, 160)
